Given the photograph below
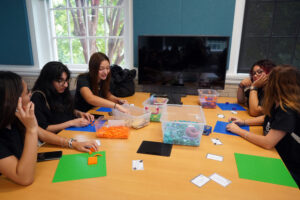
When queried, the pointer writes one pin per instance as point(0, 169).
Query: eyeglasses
point(258, 72)
point(62, 82)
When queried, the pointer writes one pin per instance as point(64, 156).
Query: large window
point(271, 30)
point(81, 27)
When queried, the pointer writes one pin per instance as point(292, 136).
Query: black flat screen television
point(181, 64)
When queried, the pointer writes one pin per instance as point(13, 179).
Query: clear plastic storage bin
point(156, 105)
point(182, 124)
point(208, 98)
point(135, 118)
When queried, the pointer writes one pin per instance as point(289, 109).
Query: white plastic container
point(135, 118)
point(156, 105)
point(183, 124)
point(208, 98)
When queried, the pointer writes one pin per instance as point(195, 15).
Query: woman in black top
point(281, 125)
point(19, 131)
point(250, 91)
point(54, 106)
point(93, 87)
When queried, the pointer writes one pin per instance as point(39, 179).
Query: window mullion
point(70, 40)
point(87, 29)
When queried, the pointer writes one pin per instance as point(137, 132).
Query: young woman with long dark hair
point(54, 107)
point(19, 131)
point(93, 87)
point(281, 105)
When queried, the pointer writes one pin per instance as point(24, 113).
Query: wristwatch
point(253, 88)
point(70, 143)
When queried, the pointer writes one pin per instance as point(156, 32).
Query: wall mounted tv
point(181, 64)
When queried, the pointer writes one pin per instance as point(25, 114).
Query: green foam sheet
point(264, 169)
point(75, 167)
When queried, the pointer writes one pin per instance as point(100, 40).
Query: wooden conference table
point(162, 177)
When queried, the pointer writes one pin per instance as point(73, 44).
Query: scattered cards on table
point(137, 165)
point(216, 141)
point(220, 179)
point(200, 180)
point(214, 157)
point(221, 116)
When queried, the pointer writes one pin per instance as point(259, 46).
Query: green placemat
point(264, 169)
point(75, 166)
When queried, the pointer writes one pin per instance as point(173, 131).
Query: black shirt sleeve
point(80, 103)
point(41, 110)
point(4, 151)
point(11, 143)
point(83, 81)
point(284, 120)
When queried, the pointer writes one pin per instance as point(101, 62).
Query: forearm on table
point(267, 142)
point(256, 121)
point(58, 127)
point(98, 101)
point(52, 138)
point(112, 98)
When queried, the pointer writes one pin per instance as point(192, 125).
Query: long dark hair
point(283, 87)
point(266, 65)
point(11, 89)
point(94, 65)
point(53, 71)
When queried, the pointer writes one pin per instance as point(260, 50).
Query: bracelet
point(253, 88)
point(70, 143)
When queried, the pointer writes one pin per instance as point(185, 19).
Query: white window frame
point(124, 37)
point(232, 77)
point(42, 46)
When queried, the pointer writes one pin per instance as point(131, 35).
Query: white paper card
point(214, 157)
point(137, 165)
point(220, 179)
point(98, 142)
point(200, 180)
point(221, 116)
point(216, 141)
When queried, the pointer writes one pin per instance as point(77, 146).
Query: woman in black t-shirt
point(281, 125)
point(54, 107)
point(19, 131)
point(250, 91)
point(93, 87)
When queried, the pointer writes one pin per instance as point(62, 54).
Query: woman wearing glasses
point(93, 87)
point(250, 91)
point(19, 131)
point(53, 101)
